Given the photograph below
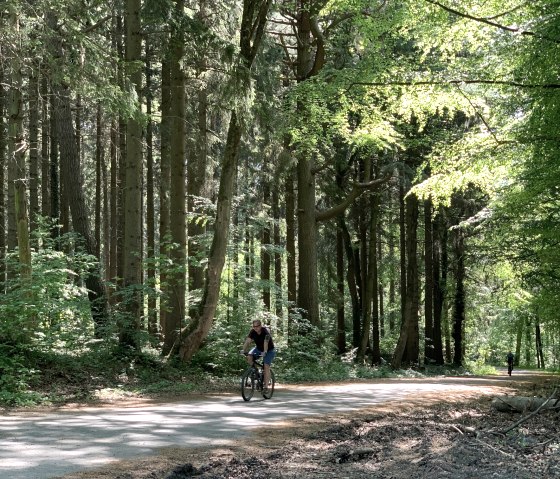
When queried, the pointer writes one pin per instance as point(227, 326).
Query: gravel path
point(47, 445)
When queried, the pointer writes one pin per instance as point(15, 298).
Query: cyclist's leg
point(254, 353)
point(267, 361)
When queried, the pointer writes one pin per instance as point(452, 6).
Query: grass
point(33, 378)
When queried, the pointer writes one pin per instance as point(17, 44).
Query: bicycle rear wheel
point(248, 382)
point(267, 393)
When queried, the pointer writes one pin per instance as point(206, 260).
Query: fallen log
point(522, 404)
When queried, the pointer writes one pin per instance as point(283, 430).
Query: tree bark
point(54, 175)
point(150, 202)
point(251, 32)
point(164, 184)
point(374, 275)
point(291, 251)
point(3, 162)
point(33, 151)
point(412, 281)
point(197, 176)
point(266, 257)
point(429, 342)
point(459, 299)
point(438, 289)
point(132, 233)
point(176, 281)
point(45, 166)
point(18, 152)
point(539, 346)
point(71, 174)
point(98, 178)
point(352, 282)
point(277, 260)
point(340, 319)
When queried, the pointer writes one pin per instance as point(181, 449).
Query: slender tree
point(251, 32)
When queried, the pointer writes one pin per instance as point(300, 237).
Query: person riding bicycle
point(264, 346)
point(510, 357)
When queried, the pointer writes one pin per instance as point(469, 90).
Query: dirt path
point(313, 426)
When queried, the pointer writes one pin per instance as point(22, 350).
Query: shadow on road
point(54, 444)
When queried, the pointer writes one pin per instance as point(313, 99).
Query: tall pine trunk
point(459, 299)
point(176, 282)
point(429, 342)
point(132, 233)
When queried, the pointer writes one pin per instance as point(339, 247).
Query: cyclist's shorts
point(269, 357)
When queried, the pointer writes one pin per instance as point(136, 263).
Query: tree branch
point(491, 23)
point(479, 115)
point(515, 84)
point(535, 412)
point(357, 190)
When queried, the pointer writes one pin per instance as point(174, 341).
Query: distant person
point(510, 358)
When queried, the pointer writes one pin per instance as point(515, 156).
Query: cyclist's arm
point(266, 339)
point(246, 344)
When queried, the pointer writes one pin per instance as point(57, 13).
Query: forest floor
point(458, 436)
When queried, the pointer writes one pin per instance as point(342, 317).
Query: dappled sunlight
point(46, 446)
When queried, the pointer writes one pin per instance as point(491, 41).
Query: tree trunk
point(519, 337)
point(132, 233)
point(122, 160)
point(438, 289)
point(45, 166)
point(429, 338)
point(98, 178)
point(402, 248)
point(308, 64)
point(3, 162)
point(17, 152)
point(71, 174)
point(528, 327)
point(251, 32)
point(197, 330)
point(265, 251)
point(352, 283)
point(33, 151)
point(176, 281)
point(277, 259)
point(522, 404)
point(539, 346)
point(150, 202)
point(197, 176)
point(308, 301)
point(291, 251)
point(380, 286)
point(412, 281)
point(340, 320)
point(459, 300)
point(446, 300)
point(164, 183)
point(54, 168)
point(374, 275)
point(392, 274)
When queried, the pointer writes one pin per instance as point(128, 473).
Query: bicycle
point(253, 379)
point(510, 368)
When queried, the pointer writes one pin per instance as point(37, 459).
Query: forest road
point(39, 445)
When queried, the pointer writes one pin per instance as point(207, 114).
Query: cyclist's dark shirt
point(259, 339)
point(510, 358)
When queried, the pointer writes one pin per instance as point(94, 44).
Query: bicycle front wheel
point(248, 381)
point(269, 391)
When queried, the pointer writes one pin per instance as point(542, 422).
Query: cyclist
point(264, 346)
point(510, 362)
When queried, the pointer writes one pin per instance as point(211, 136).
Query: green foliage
point(15, 377)
point(52, 309)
